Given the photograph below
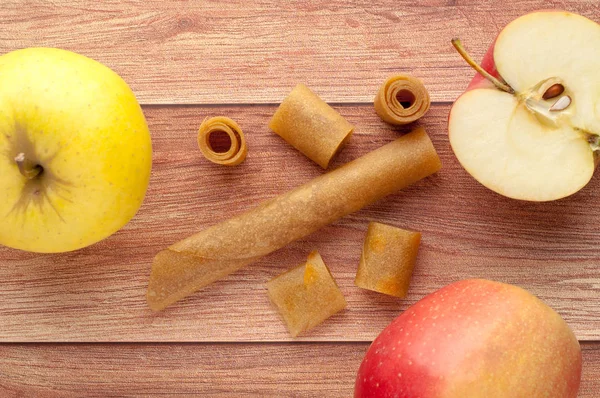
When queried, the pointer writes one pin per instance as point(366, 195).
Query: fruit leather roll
point(310, 125)
point(237, 151)
point(217, 251)
point(401, 100)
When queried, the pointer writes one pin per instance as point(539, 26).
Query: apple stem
point(29, 169)
point(461, 50)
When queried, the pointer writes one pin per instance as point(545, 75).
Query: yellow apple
point(75, 151)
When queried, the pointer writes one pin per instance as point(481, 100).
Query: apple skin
point(80, 121)
point(473, 338)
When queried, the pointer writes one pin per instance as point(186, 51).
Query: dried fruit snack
point(235, 149)
point(388, 258)
point(402, 99)
point(310, 125)
point(306, 296)
point(215, 252)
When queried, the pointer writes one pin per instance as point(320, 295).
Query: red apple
point(473, 338)
point(534, 134)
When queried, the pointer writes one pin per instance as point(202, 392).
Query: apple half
point(530, 129)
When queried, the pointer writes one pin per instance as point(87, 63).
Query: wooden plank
point(98, 293)
point(208, 370)
point(208, 52)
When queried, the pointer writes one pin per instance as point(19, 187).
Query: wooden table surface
point(77, 324)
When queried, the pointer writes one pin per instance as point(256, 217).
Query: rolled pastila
point(217, 251)
point(306, 295)
point(388, 259)
point(237, 151)
point(310, 125)
point(402, 99)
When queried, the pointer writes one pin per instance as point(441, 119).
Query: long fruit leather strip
point(217, 251)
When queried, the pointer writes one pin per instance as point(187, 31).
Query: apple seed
point(553, 91)
point(561, 104)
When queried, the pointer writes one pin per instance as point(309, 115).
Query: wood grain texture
point(207, 370)
point(237, 52)
point(98, 293)
point(207, 52)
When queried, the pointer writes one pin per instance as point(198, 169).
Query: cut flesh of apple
point(512, 144)
point(504, 146)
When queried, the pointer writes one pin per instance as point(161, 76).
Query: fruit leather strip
point(198, 260)
point(237, 150)
point(388, 258)
point(401, 100)
point(306, 296)
point(311, 126)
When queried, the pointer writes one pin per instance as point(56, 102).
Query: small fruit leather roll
point(402, 99)
point(215, 252)
point(306, 295)
point(310, 125)
point(388, 258)
point(237, 151)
